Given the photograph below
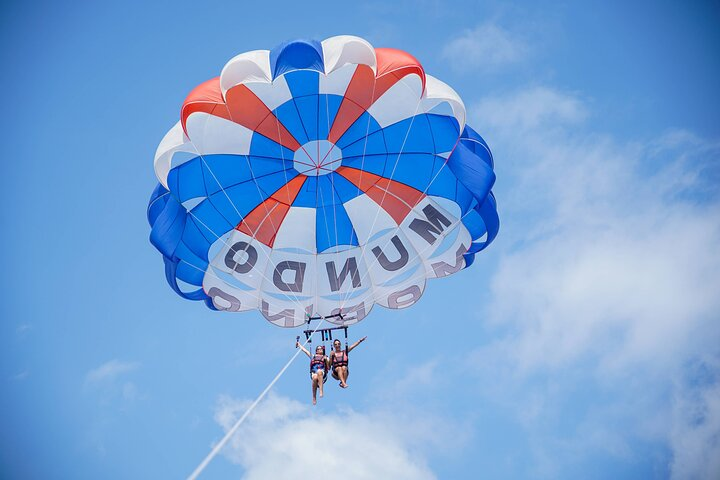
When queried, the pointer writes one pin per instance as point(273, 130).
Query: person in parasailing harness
point(319, 364)
point(339, 359)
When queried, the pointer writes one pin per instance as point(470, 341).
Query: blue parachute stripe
point(414, 169)
point(489, 214)
point(422, 171)
point(463, 197)
point(261, 166)
point(172, 181)
point(223, 171)
point(444, 184)
point(475, 247)
point(262, 146)
point(178, 158)
point(409, 135)
point(167, 220)
point(157, 202)
point(344, 189)
point(296, 55)
point(474, 224)
point(171, 266)
point(345, 232)
point(445, 131)
point(326, 193)
point(269, 184)
point(328, 106)
point(225, 206)
point(308, 109)
point(209, 303)
point(333, 225)
point(308, 194)
point(210, 222)
point(374, 145)
point(288, 115)
point(168, 226)
point(478, 145)
point(187, 180)
point(370, 163)
point(287, 172)
point(236, 201)
point(244, 194)
point(192, 269)
point(195, 240)
point(204, 233)
point(362, 127)
point(469, 259)
point(476, 176)
point(303, 82)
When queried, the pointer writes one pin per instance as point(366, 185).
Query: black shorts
point(335, 375)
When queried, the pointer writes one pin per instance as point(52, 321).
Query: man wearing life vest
point(319, 364)
point(339, 360)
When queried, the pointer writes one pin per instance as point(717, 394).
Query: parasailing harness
point(327, 334)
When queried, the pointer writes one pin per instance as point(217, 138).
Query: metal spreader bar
point(326, 333)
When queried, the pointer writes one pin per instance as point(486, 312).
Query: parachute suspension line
point(216, 449)
point(377, 212)
point(297, 302)
point(450, 228)
point(367, 131)
point(197, 150)
point(362, 170)
point(282, 154)
point(430, 183)
point(347, 353)
point(292, 298)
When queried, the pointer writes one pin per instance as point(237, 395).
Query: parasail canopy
point(320, 178)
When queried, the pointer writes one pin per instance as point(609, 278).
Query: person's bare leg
point(320, 381)
point(343, 374)
point(314, 388)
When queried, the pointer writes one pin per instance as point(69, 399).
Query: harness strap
point(341, 361)
point(317, 360)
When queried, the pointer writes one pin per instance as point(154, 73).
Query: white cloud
point(286, 439)
point(529, 109)
point(108, 371)
point(694, 436)
point(608, 278)
point(485, 47)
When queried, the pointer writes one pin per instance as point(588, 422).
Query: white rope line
point(420, 253)
point(247, 413)
point(382, 200)
point(291, 297)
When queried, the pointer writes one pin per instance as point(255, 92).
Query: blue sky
point(582, 343)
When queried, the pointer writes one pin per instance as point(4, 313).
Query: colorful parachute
point(320, 178)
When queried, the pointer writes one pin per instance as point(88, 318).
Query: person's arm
point(350, 348)
point(297, 344)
